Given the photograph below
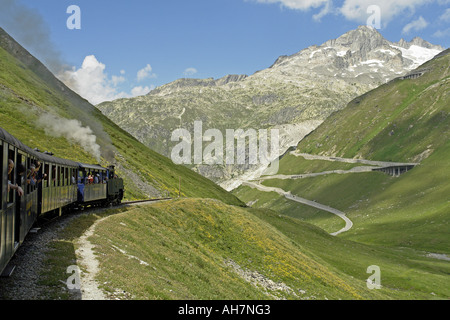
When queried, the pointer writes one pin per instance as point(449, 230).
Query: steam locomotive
point(59, 185)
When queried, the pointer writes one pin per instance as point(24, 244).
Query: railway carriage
point(61, 185)
point(17, 214)
point(58, 187)
point(90, 192)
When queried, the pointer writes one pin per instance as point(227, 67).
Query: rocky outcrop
point(418, 42)
point(190, 83)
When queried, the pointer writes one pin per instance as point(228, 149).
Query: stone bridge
point(395, 170)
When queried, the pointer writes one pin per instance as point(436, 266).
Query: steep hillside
point(406, 120)
point(42, 112)
point(404, 219)
point(306, 86)
point(204, 249)
point(208, 250)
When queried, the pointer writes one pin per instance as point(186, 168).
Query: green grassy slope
point(160, 251)
point(28, 90)
point(406, 217)
point(406, 121)
point(186, 253)
point(395, 122)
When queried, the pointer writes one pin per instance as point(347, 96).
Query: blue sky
point(171, 39)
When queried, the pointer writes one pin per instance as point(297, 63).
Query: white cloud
point(356, 10)
point(140, 91)
point(445, 16)
point(305, 5)
point(117, 79)
point(415, 25)
point(299, 4)
point(145, 73)
point(442, 33)
point(92, 83)
point(190, 71)
point(325, 10)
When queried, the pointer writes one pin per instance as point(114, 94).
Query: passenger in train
point(21, 172)
point(10, 185)
point(39, 176)
point(37, 166)
point(31, 175)
point(96, 178)
point(30, 179)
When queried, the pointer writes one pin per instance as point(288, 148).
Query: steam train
point(59, 185)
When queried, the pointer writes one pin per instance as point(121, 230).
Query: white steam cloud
point(72, 130)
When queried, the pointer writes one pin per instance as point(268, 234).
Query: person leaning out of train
point(30, 179)
point(10, 185)
point(38, 174)
point(31, 175)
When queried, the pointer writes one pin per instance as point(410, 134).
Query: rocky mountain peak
point(363, 38)
point(417, 41)
point(362, 54)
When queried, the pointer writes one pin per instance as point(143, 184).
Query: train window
point(29, 176)
point(46, 175)
point(62, 177)
point(81, 176)
point(1, 176)
point(11, 174)
point(53, 175)
point(38, 174)
point(21, 171)
point(35, 174)
point(73, 176)
point(32, 175)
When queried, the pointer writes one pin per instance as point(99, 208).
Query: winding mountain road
point(308, 156)
point(288, 195)
point(316, 174)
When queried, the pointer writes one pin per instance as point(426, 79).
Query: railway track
point(144, 201)
point(43, 221)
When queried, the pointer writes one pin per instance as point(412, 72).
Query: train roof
point(92, 166)
point(6, 136)
point(9, 138)
point(48, 158)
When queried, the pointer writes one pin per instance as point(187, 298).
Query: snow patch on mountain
point(419, 55)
